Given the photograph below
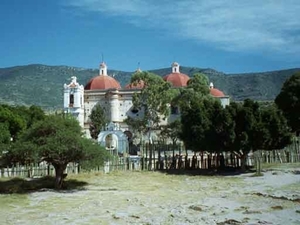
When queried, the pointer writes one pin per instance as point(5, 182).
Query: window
point(71, 100)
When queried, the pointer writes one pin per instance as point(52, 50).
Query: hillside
point(43, 85)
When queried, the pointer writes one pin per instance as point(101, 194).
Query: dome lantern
point(175, 67)
point(102, 69)
point(102, 81)
point(176, 78)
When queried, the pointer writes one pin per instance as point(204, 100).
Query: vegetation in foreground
point(30, 136)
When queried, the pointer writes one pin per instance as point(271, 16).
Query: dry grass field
point(156, 198)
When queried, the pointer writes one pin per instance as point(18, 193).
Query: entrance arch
point(113, 140)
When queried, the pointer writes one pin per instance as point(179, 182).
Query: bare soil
point(157, 198)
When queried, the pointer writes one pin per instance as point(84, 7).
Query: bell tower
point(74, 100)
point(175, 67)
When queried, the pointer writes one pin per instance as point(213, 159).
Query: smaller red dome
point(216, 92)
point(177, 79)
point(102, 82)
point(139, 85)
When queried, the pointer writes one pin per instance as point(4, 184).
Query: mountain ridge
point(39, 84)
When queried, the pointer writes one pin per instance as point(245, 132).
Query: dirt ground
point(158, 198)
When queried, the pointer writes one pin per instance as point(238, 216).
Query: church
point(116, 101)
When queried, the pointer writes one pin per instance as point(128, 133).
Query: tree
point(195, 122)
point(221, 131)
point(4, 138)
point(172, 131)
point(196, 106)
point(288, 101)
point(153, 101)
point(98, 121)
point(154, 98)
point(248, 129)
point(199, 83)
point(58, 141)
point(279, 133)
point(13, 120)
point(276, 132)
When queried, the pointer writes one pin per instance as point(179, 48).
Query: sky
point(232, 36)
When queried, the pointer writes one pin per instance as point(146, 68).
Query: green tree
point(196, 106)
point(276, 132)
point(280, 134)
point(247, 129)
point(199, 83)
point(196, 123)
point(153, 102)
point(172, 131)
point(57, 140)
point(288, 101)
point(221, 131)
point(30, 114)
point(98, 121)
point(13, 120)
point(4, 138)
point(206, 126)
point(153, 99)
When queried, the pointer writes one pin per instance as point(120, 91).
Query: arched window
point(71, 100)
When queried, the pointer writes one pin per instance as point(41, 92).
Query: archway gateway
point(114, 140)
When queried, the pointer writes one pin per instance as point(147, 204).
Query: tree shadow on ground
point(226, 171)
point(24, 186)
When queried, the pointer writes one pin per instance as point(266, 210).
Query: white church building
point(116, 101)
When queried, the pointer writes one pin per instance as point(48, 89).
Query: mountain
point(43, 85)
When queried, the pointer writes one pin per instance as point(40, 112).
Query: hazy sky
point(227, 35)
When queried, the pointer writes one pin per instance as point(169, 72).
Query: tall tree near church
point(279, 133)
point(199, 83)
point(247, 128)
point(288, 100)
point(153, 101)
point(195, 105)
point(197, 89)
point(57, 140)
point(154, 98)
point(195, 124)
point(13, 120)
point(98, 121)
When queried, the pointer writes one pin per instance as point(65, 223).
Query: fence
point(159, 158)
point(44, 169)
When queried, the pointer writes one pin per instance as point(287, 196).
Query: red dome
point(139, 85)
point(177, 79)
point(216, 92)
point(102, 82)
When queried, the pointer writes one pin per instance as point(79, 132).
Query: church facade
point(116, 101)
